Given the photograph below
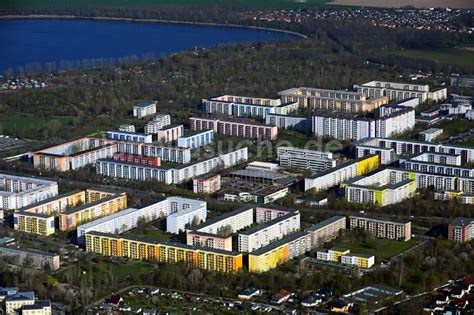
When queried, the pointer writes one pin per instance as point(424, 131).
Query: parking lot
point(7, 143)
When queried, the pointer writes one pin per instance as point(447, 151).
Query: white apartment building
point(455, 109)
point(381, 228)
point(39, 259)
point(388, 122)
point(400, 91)
point(169, 133)
point(323, 254)
point(127, 128)
point(393, 120)
point(326, 231)
point(125, 220)
point(129, 136)
point(437, 181)
point(236, 220)
point(164, 152)
point(342, 127)
point(305, 159)
point(41, 307)
point(265, 214)
point(143, 109)
point(409, 102)
point(268, 231)
point(160, 121)
point(196, 139)
point(387, 155)
point(17, 191)
point(437, 163)
point(14, 303)
point(184, 213)
point(122, 169)
point(302, 124)
point(430, 134)
point(354, 259)
point(242, 106)
point(393, 147)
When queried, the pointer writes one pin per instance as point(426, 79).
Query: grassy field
point(382, 249)
point(135, 267)
point(260, 4)
point(457, 126)
point(29, 121)
point(455, 56)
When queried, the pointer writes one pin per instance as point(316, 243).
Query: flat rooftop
point(29, 250)
point(167, 243)
point(144, 104)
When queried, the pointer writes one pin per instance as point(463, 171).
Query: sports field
point(454, 56)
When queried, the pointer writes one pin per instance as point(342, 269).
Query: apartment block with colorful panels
point(161, 251)
point(276, 253)
point(39, 218)
point(34, 223)
point(380, 188)
point(341, 173)
point(344, 256)
point(97, 208)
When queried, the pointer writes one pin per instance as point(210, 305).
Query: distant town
point(447, 20)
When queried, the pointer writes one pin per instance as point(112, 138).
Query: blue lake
point(25, 41)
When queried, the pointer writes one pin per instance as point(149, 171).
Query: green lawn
point(382, 249)
point(455, 56)
point(151, 230)
point(134, 267)
point(30, 121)
point(456, 127)
point(262, 4)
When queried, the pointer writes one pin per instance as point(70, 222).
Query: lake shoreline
point(124, 19)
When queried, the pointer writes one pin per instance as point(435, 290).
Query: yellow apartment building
point(161, 251)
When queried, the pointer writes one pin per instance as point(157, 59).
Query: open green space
point(135, 267)
point(151, 233)
point(104, 269)
point(146, 3)
point(151, 230)
point(30, 121)
point(455, 56)
point(457, 126)
point(381, 248)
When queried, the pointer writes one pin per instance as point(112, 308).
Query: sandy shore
point(105, 18)
point(458, 4)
